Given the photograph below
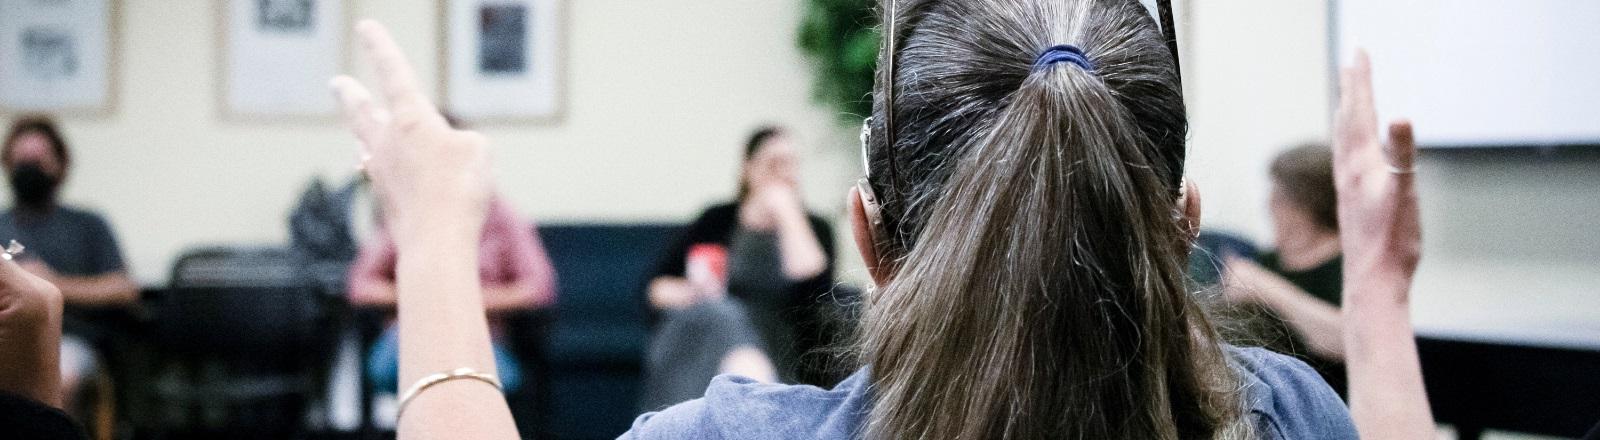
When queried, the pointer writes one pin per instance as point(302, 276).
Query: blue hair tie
point(1063, 53)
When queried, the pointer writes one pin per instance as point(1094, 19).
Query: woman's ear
point(1189, 202)
point(864, 224)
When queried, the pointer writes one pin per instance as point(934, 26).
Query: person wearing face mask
point(70, 247)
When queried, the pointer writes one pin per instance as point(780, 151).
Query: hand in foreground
point(428, 177)
point(30, 335)
point(1381, 238)
point(1378, 221)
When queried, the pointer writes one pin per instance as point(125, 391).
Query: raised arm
point(1382, 241)
point(434, 183)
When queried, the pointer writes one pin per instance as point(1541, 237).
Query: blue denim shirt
point(1286, 398)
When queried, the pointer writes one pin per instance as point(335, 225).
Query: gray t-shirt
point(1287, 400)
point(71, 241)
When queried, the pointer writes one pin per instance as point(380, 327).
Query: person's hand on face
point(423, 172)
point(756, 212)
point(1378, 219)
point(778, 165)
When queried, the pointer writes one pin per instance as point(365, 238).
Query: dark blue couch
point(594, 344)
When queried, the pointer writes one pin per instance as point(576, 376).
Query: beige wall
point(660, 95)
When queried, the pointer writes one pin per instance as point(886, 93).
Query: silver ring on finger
point(12, 250)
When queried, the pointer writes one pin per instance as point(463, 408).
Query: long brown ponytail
point(1039, 290)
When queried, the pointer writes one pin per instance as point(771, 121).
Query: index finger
point(395, 77)
point(1358, 120)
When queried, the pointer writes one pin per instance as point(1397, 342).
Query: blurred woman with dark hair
point(772, 260)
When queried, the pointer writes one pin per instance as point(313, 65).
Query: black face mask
point(32, 187)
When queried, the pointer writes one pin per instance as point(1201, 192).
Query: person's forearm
point(509, 298)
point(443, 328)
point(670, 293)
point(802, 254)
point(115, 289)
point(1387, 396)
point(30, 339)
point(374, 293)
point(1320, 324)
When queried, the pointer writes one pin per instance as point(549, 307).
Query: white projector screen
point(1481, 73)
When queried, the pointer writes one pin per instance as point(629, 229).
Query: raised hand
point(426, 174)
point(1378, 221)
point(1382, 239)
point(433, 182)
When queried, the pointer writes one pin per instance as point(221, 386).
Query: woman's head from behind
point(1028, 229)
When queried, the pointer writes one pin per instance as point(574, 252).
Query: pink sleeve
point(523, 255)
point(374, 265)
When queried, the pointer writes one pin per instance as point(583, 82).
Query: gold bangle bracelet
point(437, 378)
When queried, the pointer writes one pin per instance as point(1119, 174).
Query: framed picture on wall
point(56, 55)
point(278, 56)
point(502, 59)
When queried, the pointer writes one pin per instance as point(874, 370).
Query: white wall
point(660, 97)
point(662, 93)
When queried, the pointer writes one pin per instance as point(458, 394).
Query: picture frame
point(502, 60)
point(58, 56)
point(277, 57)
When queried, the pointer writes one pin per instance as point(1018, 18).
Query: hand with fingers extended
point(433, 183)
point(1378, 221)
point(426, 174)
point(1381, 239)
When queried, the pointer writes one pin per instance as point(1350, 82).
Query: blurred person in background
point(513, 270)
point(763, 307)
point(1299, 281)
point(70, 247)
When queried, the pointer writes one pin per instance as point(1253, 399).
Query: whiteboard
point(1480, 73)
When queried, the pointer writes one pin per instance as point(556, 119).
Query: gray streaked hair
point(1033, 226)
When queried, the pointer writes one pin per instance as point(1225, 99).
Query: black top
point(23, 418)
point(793, 317)
point(1325, 282)
point(717, 224)
point(73, 242)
